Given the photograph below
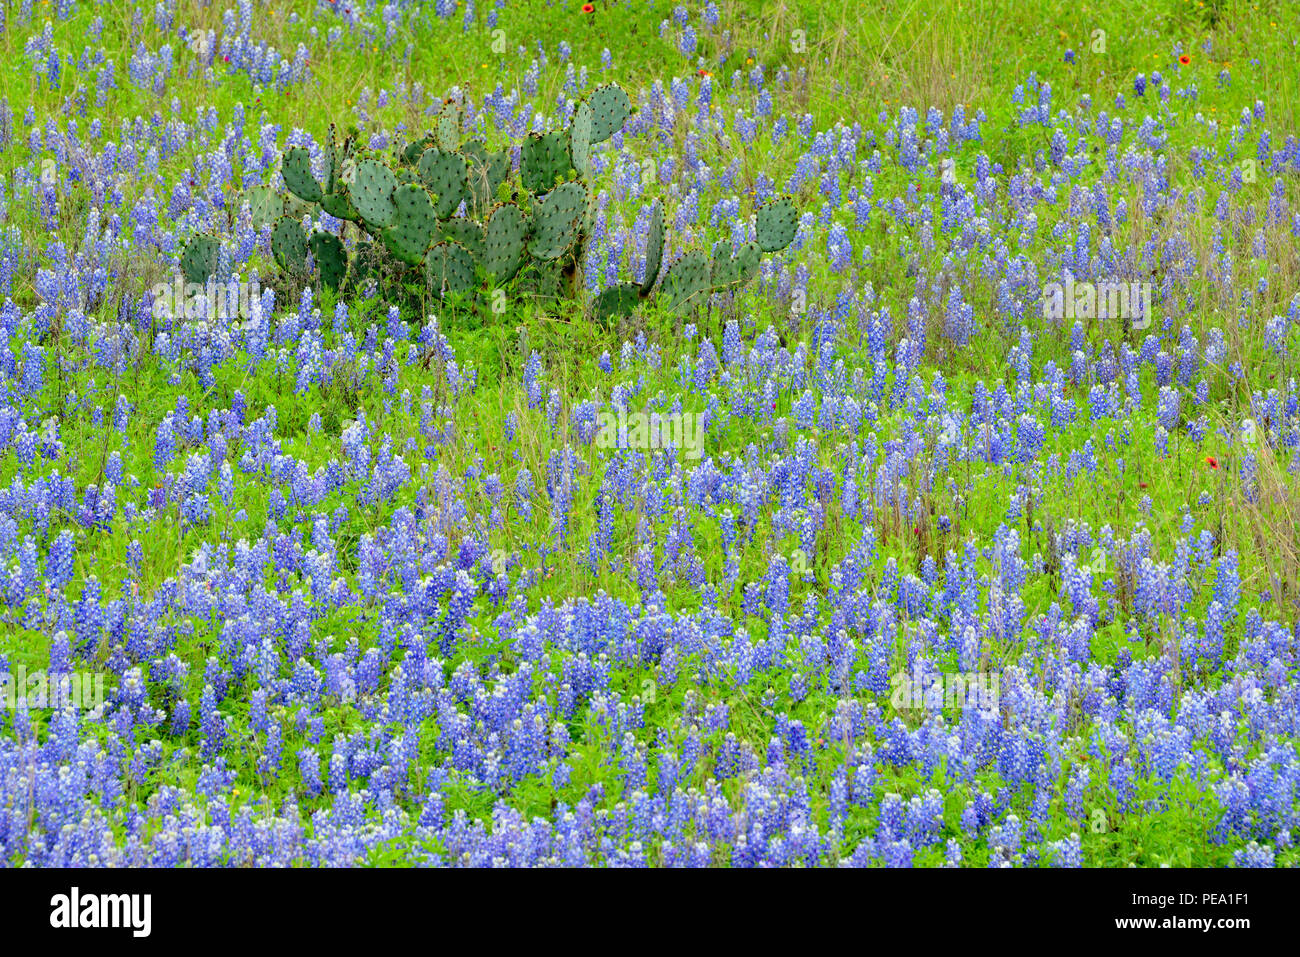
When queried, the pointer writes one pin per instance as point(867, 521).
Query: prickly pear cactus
point(338, 205)
point(545, 158)
point(486, 172)
point(580, 138)
point(748, 257)
point(609, 111)
point(686, 284)
point(619, 300)
point(654, 248)
point(448, 269)
point(435, 209)
point(447, 175)
point(331, 258)
point(265, 205)
point(449, 127)
point(289, 245)
point(723, 271)
point(415, 224)
point(410, 155)
point(298, 179)
point(556, 220)
point(199, 259)
point(505, 242)
point(466, 232)
point(776, 223)
point(371, 193)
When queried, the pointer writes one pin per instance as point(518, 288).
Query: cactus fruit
point(414, 224)
point(556, 219)
point(654, 248)
point(298, 179)
point(372, 193)
point(686, 284)
point(199, 259)
point(331, 258)
point(505, 241)
point(446, 174)
point(609, 111)
point(289, 244)
point(777, 222)
point(544, 159)
point(448, 269)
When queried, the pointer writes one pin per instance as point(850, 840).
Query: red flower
point(916, 530)
point(1142, 484)
point(1184, 59)
point(1211, 461)
point(588, 8)
point(703, 72)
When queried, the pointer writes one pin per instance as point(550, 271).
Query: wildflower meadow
point(497, 433)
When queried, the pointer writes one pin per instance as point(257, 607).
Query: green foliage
point(430, 218)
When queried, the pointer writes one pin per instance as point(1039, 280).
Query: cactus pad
point(618, 300)
point(338, 204)
point(723, 271)
point(545, 158)
point(609, 111)
point(199, 260)
point(371, 193)
point(486, 172)
point(447, 175)
point(747, 260)
point(466, 232)
point(449, 127)
point(289, 244)
point(686, 284)
point(777, 222)
point(296, 170)
point(331, 258)
point(415, 149)
point(654, 248)
point(556, 219)
point(448, 269)
point(414, 224)
point(505, 241)
point(580, 138)
point(265, 204)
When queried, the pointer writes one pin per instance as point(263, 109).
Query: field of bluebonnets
point(942, 576)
